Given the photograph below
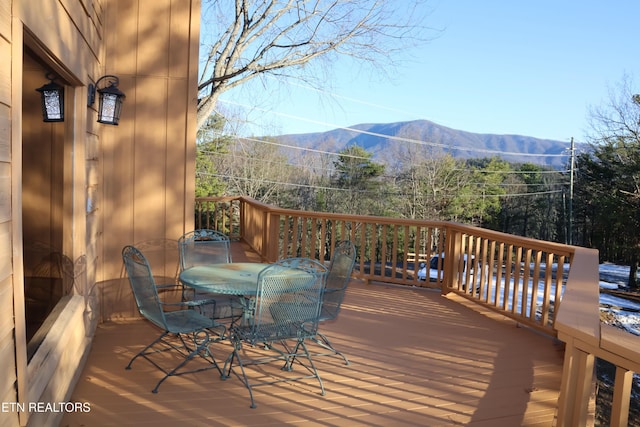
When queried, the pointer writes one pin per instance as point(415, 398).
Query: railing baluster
point(405, 251)
point(621, 398)
point(383, 251)
point(517, 280)
point(524, 296)
point(548, 282)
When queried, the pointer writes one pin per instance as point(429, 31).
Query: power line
point(235, 154)
point(396, 138)
point(517, 172)
point(401, 194)
point(295, 147)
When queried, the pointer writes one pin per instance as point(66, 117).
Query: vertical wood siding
point(129, 183)
point(8, 391)
point(149, 183)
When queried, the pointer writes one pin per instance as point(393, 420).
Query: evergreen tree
point(358, 176)
point(210, 143)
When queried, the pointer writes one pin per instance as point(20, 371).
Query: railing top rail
point(579, 313)
point(338, 216)
point(558, 248)
point(218, 199)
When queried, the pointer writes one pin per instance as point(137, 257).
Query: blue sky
point(504, 67)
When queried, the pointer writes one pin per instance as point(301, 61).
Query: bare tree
point(249, 38)
point(618, 118)
point(609, 176)
point(256, 169)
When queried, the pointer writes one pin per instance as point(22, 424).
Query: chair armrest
point(189, 304)
point(167, 283)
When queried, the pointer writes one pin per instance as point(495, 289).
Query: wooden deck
point(417, 359)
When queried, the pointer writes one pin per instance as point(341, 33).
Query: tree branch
point(257, 36)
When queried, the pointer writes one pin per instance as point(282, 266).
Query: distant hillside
point(378, 138)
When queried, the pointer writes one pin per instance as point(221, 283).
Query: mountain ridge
point(377, 138)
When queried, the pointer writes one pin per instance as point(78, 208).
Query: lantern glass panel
point(53, 105)
point(107, 110)
point(110, 108)
point(52, 97)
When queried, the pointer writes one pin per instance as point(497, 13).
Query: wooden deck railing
point(519, 277)
point(516, 276)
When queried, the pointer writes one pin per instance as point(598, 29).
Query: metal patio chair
point(285, 313)
point(185, 332)
point(202, 247)
point(163, 258)
point(340, 268)
point(164, 261)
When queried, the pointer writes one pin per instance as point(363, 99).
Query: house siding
point(151, 193)
point(126, 183)
point(8, 391)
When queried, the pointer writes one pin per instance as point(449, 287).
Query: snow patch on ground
point(623, 313)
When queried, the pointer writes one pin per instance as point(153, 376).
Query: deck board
point(417, 359)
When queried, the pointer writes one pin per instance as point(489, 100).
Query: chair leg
point(324, 342)
point(200, 348)
point(293, 356)
point(143, 352)
point(226, 369)
point(245, 380)
point(313, 366)
point(203, 346)
point(290, 356)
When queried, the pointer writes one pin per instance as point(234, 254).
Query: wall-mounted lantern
point(52, 95)
point(110, 103)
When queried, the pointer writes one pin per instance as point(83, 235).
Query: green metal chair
point(340, 268)
point(184, 330)
point(285, 313)
point(203, 247)
point(163, 258)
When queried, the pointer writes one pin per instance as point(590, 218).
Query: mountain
point(379, 138)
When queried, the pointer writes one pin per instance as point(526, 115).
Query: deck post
point(272, 239)
point(575, 390)
point(453, 249)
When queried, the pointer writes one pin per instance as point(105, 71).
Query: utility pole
point(571, 170)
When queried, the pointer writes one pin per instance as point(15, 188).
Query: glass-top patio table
point(236, 278)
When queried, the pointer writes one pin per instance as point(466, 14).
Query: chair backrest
point(163, 258)
point(143, 285)
point(340, 268)
point(202, 247)
point(288, 300)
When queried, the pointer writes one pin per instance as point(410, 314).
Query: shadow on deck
point(417, 359)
